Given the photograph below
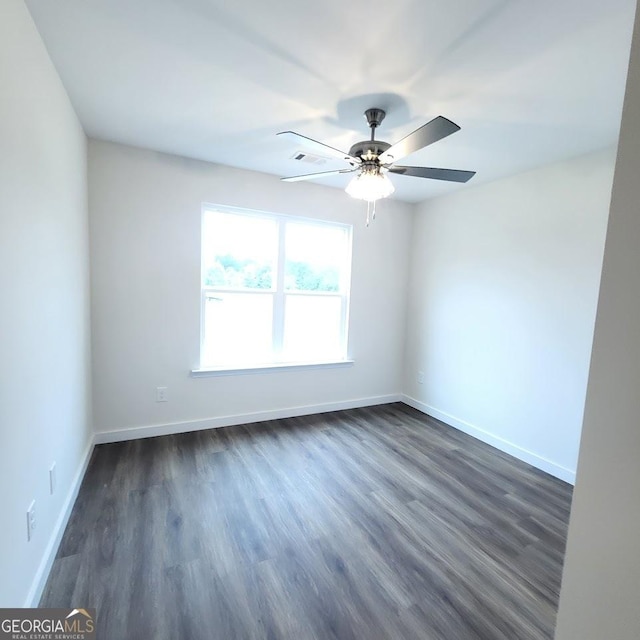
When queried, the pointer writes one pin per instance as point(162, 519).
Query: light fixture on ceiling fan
point(373, 159)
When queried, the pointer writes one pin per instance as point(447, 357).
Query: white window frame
point(279, 296)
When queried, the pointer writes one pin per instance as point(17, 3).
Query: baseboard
point(40, 579)
point(119, 435)
point(512, 449)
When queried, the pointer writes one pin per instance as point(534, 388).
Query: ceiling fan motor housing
point(368, 149)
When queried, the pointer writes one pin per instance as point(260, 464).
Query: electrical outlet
point(420, 377)
point(31, 520)
point(161, 394)
point(52, 478)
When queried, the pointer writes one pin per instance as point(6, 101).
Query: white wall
point(601, 582)
point(44, 322)
point(145, 212)
point(504, 283)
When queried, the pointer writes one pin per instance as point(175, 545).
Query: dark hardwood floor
point(366, 524)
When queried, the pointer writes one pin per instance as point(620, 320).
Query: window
point(275, 289)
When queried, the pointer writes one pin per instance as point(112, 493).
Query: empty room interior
point(321, 320)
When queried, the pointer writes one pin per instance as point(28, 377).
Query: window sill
point(269, 368)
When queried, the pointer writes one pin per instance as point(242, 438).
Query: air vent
point(309, 158)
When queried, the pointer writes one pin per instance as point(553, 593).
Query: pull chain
point(371, 211)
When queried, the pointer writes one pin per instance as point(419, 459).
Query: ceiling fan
point(373, 159)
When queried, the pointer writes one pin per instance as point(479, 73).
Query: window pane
point(238, 251)
point(316, 257)
point(237, 328)
point(312, 328)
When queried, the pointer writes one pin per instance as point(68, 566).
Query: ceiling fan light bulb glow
point(370, 186)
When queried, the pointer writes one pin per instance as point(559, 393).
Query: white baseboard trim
point(133, 433)
point(40, 579)
point(512, 449)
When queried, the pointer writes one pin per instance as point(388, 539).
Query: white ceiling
point(529, 82)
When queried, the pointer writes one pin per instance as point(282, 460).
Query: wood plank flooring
point(368, 524)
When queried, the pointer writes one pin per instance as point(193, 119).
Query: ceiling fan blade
point(451, 175)
point(427, 134)
point(313, 176)
point(320, 147)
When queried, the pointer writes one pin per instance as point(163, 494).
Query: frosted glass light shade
point(370, 185)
